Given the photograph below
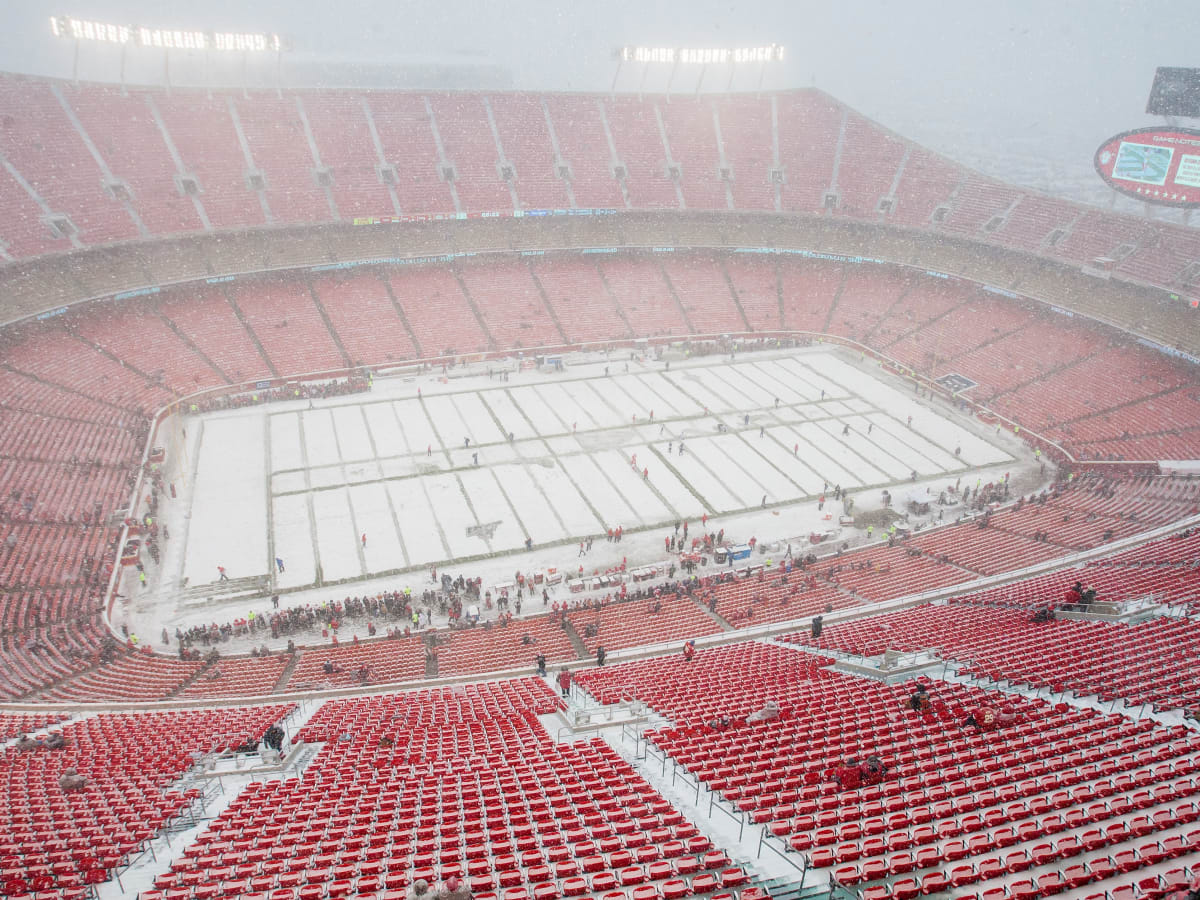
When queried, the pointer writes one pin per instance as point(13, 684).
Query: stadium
point(526, 495)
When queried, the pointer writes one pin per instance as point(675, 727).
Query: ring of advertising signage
point(1155, 165)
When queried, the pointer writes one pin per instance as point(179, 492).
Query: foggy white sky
point(1022, 89)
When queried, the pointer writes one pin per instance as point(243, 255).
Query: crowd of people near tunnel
point(329, 617)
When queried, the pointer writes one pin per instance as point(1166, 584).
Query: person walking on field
point(279, 564)
point(222, 574)
point(364, 539)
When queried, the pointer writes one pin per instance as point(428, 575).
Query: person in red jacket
point(564, 682)
point(848, 775)
point(1074, 595)
point(983, 718)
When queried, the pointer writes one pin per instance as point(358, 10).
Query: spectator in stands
point(848, 775)
point(419, 890)
point(1044, 613)
point(55, 741)
point(873, 770)
point(769, 711)
point(564, 682)
point(920, 700)
point(817, 624)
point(273, 738)
point(689, 651)
point(25, 744)
point(601, 655)
point(1074, 596)
point(453, 889)
point(983, 718)
point(540, 660)
point(70, 780)
point(720, 723)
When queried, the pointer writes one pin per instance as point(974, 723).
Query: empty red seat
point(1126, 860)
point(1151, 853)
point(733, 877)
point(1101, 868)
point(846, 875)
point(1017, 861)
point(1049, 883)
point(990, 868)
point(704, 883)
point(961, 875)
point(631, 875)
point(1043, 854)
point(604, 881)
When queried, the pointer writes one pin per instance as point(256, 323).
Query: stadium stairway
point(216, 792)
point(717, 818)
point(250, 584)
point(286, 673)
point(576, 640)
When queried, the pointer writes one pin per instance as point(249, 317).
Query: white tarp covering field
point(475, 466)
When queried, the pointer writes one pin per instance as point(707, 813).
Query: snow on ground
point(459, 475)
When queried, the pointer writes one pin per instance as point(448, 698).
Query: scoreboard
point(1156, 165)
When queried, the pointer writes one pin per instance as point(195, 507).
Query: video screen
point(1175, 92)
point(1142, 163)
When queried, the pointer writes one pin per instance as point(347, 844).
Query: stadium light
point(75, 29)
point(703, 56)
point(696, 56)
